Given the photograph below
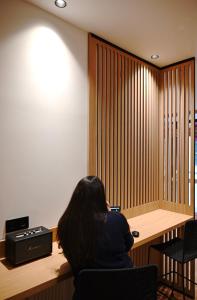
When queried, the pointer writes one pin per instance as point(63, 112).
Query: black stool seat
point(172, 248)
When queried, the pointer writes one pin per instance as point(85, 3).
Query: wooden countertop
point(33, 277)
point(155, 223)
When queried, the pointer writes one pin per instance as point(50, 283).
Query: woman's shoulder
point(118, 219)
point(112, 215)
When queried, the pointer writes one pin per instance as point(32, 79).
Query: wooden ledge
point(154, 224)
point(28, 279)
point(33, 277)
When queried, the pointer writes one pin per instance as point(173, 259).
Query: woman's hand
point(65, 268)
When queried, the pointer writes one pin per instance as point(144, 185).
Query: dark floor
point(167, 291)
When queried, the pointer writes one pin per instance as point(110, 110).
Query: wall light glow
point(155, 56)
point(49, 62)
point(60, 3)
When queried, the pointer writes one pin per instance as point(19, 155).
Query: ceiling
point(142, 27)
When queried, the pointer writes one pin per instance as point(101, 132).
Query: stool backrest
point(190, 240)
point(117, 284)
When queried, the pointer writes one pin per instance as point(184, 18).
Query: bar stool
point(180, 250)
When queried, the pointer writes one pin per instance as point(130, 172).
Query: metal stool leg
point(183, 288)
point(149, 254)
point(172, 292)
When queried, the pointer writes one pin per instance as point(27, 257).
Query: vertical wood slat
point(148, 139)
point(192, 159)
point(182, 137)
point(186, 158)
point(122, 138)
point(129, 132)
point(126, 110)
point(154, 132)
point(115, 129)
point(132, 136)
point(99, 112)
point(161, 137)
point(156, 114)
point(138, 150)
point(146, 135)
point(142, 136)
point(111, 129)
point(178, 136)
point(166, 139)
point(135, 135)
point(170, 138)
point(145, 142)
point(119, 129)
point(174, 137)
point(107, 136)
point(103, 118)
point(129, 113)
point(151, 140)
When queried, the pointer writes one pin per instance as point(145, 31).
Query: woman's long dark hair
point(78, 227)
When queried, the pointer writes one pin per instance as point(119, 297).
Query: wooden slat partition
point(176, 155)
point(123, 127)
point(61, 291)
point(176, 148)
point(140, 255)
point(142, 137)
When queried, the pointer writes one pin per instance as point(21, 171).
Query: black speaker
point(25, 245)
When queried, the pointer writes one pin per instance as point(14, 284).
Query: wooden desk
point(31, 278)
point(155, 223)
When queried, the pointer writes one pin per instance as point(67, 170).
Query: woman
point(90, 235)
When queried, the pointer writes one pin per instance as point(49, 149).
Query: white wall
point(43, 113)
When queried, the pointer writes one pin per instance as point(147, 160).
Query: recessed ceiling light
point(60, 3)
point(155, 56)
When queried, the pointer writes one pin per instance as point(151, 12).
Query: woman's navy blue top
point(113, 243)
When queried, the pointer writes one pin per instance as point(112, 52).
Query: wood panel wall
point(141, 138)
point(123, 149)
point(176, 153)
point(63, 290)
point(141, 130)
point(176, 147)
